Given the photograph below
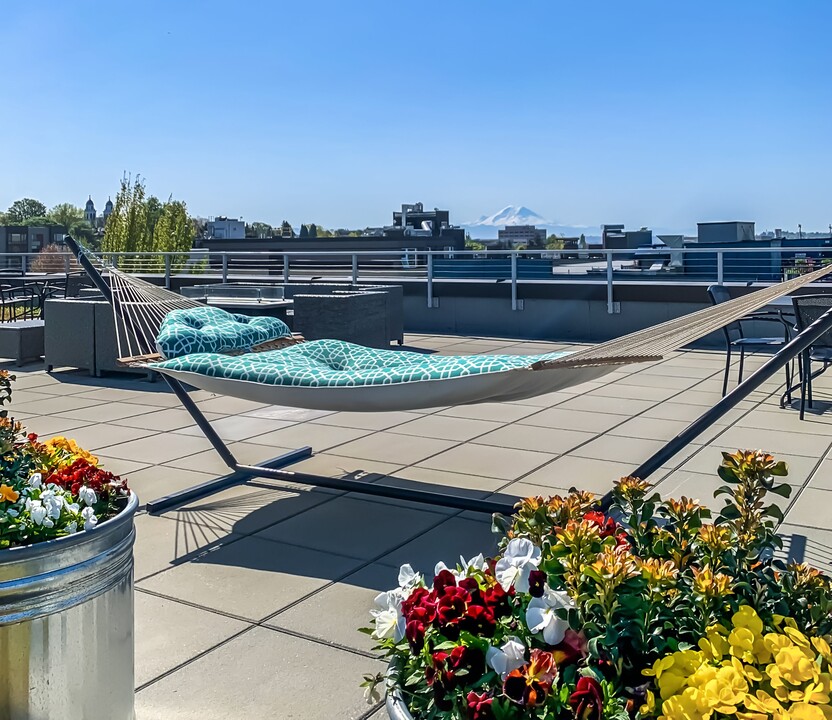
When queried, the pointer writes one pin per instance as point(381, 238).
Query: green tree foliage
point(174, 232)
point(154, 212)
point(259, 230)
point(22, 210)
point(286, 230)
point(582, 242)
point(126, 229)
point(313, 230)
point(553, 242)
point(304, 231)
point(66, 214)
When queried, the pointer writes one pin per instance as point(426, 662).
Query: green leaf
point(784, 490)
point(774, 511)
point(730, 512)
point(780, 469)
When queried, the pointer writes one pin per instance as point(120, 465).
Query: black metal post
point(792, 349)
point(90, 269)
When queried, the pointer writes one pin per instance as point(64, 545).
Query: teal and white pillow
point(213, 330)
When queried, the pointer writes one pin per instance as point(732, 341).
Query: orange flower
point(9, 494)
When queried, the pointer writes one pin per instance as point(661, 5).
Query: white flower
point(72, 527)
point(388, 616)
point(541, 615)
point(11, 512)
point(88, 516)
point(475, 563)
point(513, 569)
point(36, 480)
point(409, 580)
point(87, 496)
point(53, 504)
point(510, 656)
point(72, 507)
point(37, 512)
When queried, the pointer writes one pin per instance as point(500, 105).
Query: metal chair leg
point(803, 383)
point(727, 370)
point(742, 362)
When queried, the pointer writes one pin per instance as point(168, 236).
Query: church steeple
point(89, 211)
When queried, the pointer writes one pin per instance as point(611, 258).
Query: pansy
point(542, 615)
point(89, 518)
point(509, 656)
point(387, 613)
point(521, 556)
point(36, 480)
point(409, 579)
point(87, 496)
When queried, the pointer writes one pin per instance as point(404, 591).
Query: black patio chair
point(807, 309)
point(19, 303)
point(735, 337)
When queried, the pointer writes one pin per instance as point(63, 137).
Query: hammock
point(333, 375)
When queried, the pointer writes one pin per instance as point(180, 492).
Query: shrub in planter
point(49, 489)
point(650, 610)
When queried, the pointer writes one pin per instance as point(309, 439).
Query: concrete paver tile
point(169, 633)
point(251, 578)
point(262, 673)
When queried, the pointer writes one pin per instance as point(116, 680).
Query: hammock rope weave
point(140, 306)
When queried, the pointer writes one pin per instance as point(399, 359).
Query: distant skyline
point(648, 113)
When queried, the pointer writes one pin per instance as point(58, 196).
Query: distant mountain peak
point(511, 215)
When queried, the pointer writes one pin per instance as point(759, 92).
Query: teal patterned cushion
point(334, 363)
point(212, 330)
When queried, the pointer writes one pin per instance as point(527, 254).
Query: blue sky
point(646, 112)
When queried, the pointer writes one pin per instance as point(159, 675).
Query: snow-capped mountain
point(487, 226)
point(510, 215)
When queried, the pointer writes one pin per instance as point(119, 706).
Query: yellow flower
point(747, 617)
point(714, 644)
point(726, 690)
point(70, 448)
point(9, 494)
point(822, 646)
point(690, 705)
point(630, 488)
point(805, 711)
point(649, 707)
point(792, 665)
point(710, 584)
point(716, 538)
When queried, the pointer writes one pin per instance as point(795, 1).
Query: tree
point(259, 230)
point(286, 230)
point(126, 229)
point(66, 214)
point(582, 242)
point(154, 212)
point(21, 210)
point(304, 231)
point(173, 232)
point(313, 230)
point(553, 242)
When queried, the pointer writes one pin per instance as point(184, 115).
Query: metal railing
point(613, 268)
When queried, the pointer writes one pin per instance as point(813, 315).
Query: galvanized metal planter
point(66, 625)
point(396, 707)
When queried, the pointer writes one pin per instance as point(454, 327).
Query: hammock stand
point(138, 315)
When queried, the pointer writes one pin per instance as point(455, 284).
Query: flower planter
point(66, 625)
point(396, 707)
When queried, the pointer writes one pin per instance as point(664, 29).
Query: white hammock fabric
point(139, 308)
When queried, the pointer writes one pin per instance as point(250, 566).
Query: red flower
point(479, 620)
point(571, 649)
point(587, 702)
point(479, 706)
point(32, 438)
point(423, 599)
point(605, 524)
point(452, 606)
point(497, 600)
point(530, 684)
point(537, 580)
point(443, 580)
point(469, 659)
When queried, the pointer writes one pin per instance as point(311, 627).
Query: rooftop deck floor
point(247, 601)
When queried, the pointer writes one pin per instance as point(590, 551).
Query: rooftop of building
point(246, 598)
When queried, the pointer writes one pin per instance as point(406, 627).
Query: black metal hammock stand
point(139, 308)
